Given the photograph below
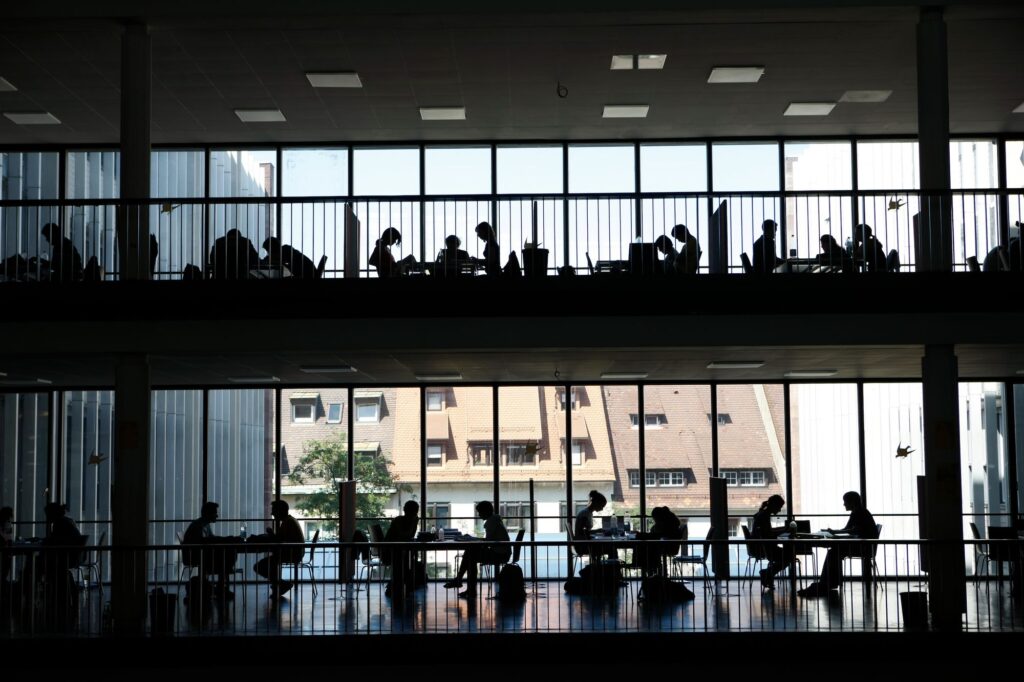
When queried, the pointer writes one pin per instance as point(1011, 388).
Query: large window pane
point(673, 168)
point(177, 225)
point(243, 173)
point(523, 221)
point(601, 229)
point(458, 170)
point(24, 457)
point(818, 166)
point(391, 171)
point(596, 469)
point(887, 165)
point(316, 229)
point(26, 175)
point(530, 170)
point(601, 168)
point(660, 215)
point(314, 172)
point(742, 167)
point(973, 164)
point(87, 455)
point(92, 175)
point(1015, 181)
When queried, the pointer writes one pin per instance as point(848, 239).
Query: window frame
point(341, 412)
point(305, 404)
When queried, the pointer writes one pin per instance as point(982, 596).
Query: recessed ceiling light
point(260, 115)
point(809, 108)
point(736, 74)
point(25, 382)
point(1020, 371)
point(651, 61)
point(7, 86)
point(339, 79)
point(450, 376)
point(865, 96)
point(622, 62)
point(253, 380)
point(443, 113)
point(626, 110)
point(1019, 109)
point(32, 118)
point(811, 373)
point(623, 376)
point(327, 369)
point(735, 364)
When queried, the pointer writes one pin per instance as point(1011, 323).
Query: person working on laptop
point(779, 557)
point(861, 524)
point(494, 530)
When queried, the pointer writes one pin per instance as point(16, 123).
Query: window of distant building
point(302, 413)
point(334, 413)
point(481, 453)
point(368, 407)
point(435, 454)
point(439, 514)
point(723, 418)
point(573, 398)
point(435, 401)
point(659, 478)
point(519, 454)
point(749, 478)
point(515, 515)
point(577, 452)
point(651, 421)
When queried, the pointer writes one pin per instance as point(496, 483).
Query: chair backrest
point(972, 264)
point(748, 267)
point(1001, 551)
point(312, 544)
point(181, 538)
point(376, 532)
point(754, 549)
point(892, 261)
point(707, 542)
point(321, 266)
point(517, 548)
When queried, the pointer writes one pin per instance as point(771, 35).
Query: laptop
point(606, 523)
point(643, 258)
point(590, 264)
point(801, 526)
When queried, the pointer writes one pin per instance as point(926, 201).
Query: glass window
point(178, 173)
point(243, 173)
point(175, 468)
point(651, 477)
point(367, 410)
point(458, 170)
point(752, 450)
point(465, 430)
point(519, 454)
point(530, 170)
point(29, 175)
point(825, 451)
point(578, 449)
point(314, 172)
point(334, 413)
point(393, 444)
point(818, 166)
point(435, 401)
point(654, 421)
point(745, 167)
point(634, 478)
point(386, 171)
point(1015, 164)
point(482, 454)
point(92, 175)
point(673, 168)
point(435, 454)
point(731, 478)
point(561, 398)
point(439, 514)
point(302, 413)
point(973, 164)
point(888, 164)
point(601, 168)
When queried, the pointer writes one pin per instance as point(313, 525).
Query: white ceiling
point(504, 68)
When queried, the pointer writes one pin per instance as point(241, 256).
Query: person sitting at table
point(451, 258)
point(382, 259)
point(215, 561)
point(583, 527)
point(688, 258)
point(833, 255)
point(279, 255)
point(867, 250)
point(861, 524)
point(667, 526)
point(285, 530)
point(778, 557)
point(494, 531)
point(669, 254)
point(232, 256)
point(765, 256)
point(492, 252)
point(65, 263)
point(52, 566)
point(405, 569)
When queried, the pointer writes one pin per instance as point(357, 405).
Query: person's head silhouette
point(271, 244)
point(774, 504)
point(452, 242)
point(597, 500)
point(279, 509)
point(768, 228)
point(852, 501)
point(485, 232)
point(680, 232)
point(861, 233)
point(390, 237)
point(51, 232)
point(411, 509)
point(210, 511)
point(664, 244)
point(484, 509)
point(54, 511)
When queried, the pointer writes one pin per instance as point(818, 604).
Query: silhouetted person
point(402, 561)
point(667, 526)
point(861, 524)
point(688, 258)
point(1015, 254)
point(765, 255)
point(215, 561)
point(494, 531)
point(154, 251)
point(778, 557)
point(232, 256)
point(65, 263)
point(52, 566)
point(451, 258)
point(285, 530)
point(382, 259)
point(16, 267)
point(279, 255)
point(669, 255)
point(997, 260)
point(868, 250)
point(583, 526)
point(6, 540)
point(492, 252)
point(834, 255)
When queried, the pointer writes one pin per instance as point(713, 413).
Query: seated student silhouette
point(216, 561)
point(765, 255)
point(65, 263)
point(492, 252)
point(583, 527)
point(232, 256)
point(405, 570)
point(688, 258)
point(667, 526)
point(51, 567)
point(279, 255)
point(833, 255)
point(669, 254)
point(861, 524)
point(285, 530)
point(867, 250)
point(451, 258)
point(382, 259)
point(779, 557)
point(494, 530)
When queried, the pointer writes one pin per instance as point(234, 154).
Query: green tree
point(326, 461)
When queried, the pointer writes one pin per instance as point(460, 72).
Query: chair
point(755, 553)
point(892, 261)
point(374, 559)
point(1001, 551)
point(299, 565)
point(517, 547)
point(696, 559)
point(866, 555)
point(92, 564)
point(981, 558)
point(320, 267)
point(748, 267)
point(185, 573)
point(972, 264)
point(577, 557)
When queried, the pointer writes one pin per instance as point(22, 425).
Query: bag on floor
point(660, 589)
point(511, 585)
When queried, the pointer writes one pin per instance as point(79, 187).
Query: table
point(794, 265)
point(270, 272)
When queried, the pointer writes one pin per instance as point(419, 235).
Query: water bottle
point(241, 532)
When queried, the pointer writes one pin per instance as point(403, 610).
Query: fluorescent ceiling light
point(7, 86)
point(623, 375)
point(450, 376)
point(260, 115)
point(1019, 109)
point(809, 108)
point(1020, 371)
point(32, 118)
point(651, 61)
point(328, 369)
point(443, 113)
point(865, 96)
point(340, 79)
point(626, 110)
point(622, 62)
point(736, 74)
point(811, 373)
point(253, 380)
point(735, 364)
point(24, 382)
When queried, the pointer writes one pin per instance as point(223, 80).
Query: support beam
point(129, 494)
point(946, 580)
point(136, 105)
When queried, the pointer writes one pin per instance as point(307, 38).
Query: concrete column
point(946, 581)
point(129, 494)
point(136, 105)
point(934, 227)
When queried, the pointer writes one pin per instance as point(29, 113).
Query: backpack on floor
point(511, 586)
point(660, 589)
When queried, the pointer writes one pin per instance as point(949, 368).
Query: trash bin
point(915, 610)
point(162, 611)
